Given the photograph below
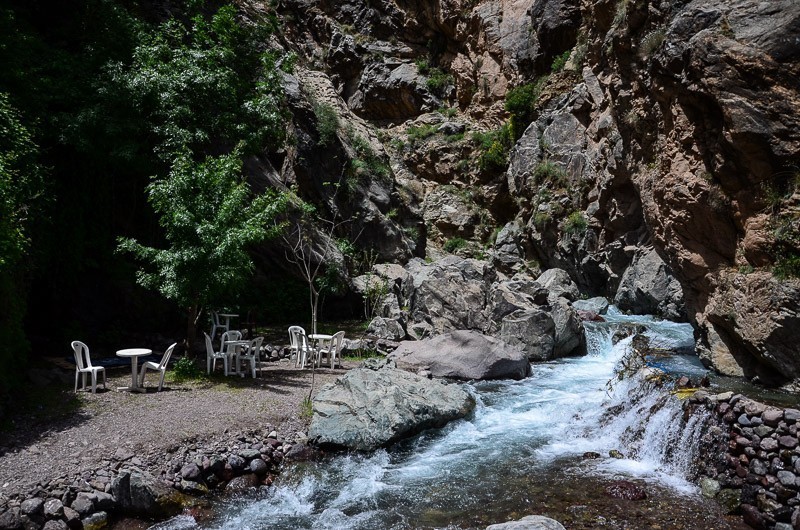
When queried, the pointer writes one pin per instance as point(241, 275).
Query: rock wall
point(750, 459)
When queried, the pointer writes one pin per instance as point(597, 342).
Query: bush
point(421, 132)
point(787, 266)
point(549, 172)
point(439, 81)
point(540, 219)
point(560, 61)
point(327, 123)
point(575, 223)
point(186, 368)
point(495, 145)
point(454, 244)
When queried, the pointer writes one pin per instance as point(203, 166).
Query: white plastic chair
point(216, 324)
point(83, 366)
point(298, 345)
point(330, 349)
point(252, 355)
point(160, 366)
point(212, 356)
point(232, 350)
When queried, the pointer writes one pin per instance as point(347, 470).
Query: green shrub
point(454, 244)
point(186, 368)
point(306, 408)
point(575, 223)
point(787, 266)
point(540, 219)
point(448, 112)
point(422, 66)
point(439, 81)
point(327, 123)
point(421, 132)
point(549, 172)
point(651, 42)
point(495, 145)
point(452, 138)
point(560, 61)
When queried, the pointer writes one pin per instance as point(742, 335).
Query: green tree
point(20, 195)
point(210, 219)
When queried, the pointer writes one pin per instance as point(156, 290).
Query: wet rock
point(465, 355)
point(648, 287)
point(96, 521)
point(190, 472)
point(192, 487)
point(590, 316)
point(531, 522)
point(625, 489)
point(243, 483)
point(709, 488)
point(598, 305)
point(141, 493)
point(259, 467)
point(366, 409)
point(730, 500)
point(591, 455)
point(615, 454)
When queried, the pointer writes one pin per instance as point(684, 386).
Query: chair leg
point(104, 378)
point(161, 383)
point(94, 381)
point(83, 380)
point(77, 373)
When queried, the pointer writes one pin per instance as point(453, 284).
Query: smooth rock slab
point(464, 355)
point(531, 522)
point(366, 409)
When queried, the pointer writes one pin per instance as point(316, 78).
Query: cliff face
point(660, 168)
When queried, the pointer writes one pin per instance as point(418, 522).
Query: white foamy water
point(521, 432)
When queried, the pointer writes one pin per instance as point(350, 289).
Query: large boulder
point(531, 330)
point(463, 355)
point(558, 282)
point(531, 522)
point(367, 408)
point(648, 286)
point(598, 305)
point(140, 493)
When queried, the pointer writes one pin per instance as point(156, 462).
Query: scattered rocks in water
point(591, 455)
point(615, 454)
point(625, 489)
point(531, 522)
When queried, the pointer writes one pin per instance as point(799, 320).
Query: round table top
point(238, 341)
point(134, 352)
point(228, 315)
point(318, 336)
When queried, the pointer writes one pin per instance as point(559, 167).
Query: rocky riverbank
point(115, 454)
point(750, 459)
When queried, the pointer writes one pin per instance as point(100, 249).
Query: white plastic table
point(233, 352)
point(317, 337)
point(134, 354)
point(228, 317)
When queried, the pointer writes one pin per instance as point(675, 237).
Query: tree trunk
point(314, 299)
point(191, 329)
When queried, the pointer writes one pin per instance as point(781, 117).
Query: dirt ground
point(56, 433)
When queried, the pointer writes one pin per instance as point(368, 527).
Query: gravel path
point(75, 433)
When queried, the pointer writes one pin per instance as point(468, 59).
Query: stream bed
point(521, 452)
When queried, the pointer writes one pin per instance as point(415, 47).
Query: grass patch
point(421, 132)
point(327, 123)
point(560, 61)
point(651, 42)
point(549, 172)
point(439, 81)
point(576, 223)
point(306, 408)
point(454, 244)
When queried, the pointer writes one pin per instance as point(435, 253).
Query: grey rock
point(10, 519)
point(569, 336)
point(386, 328)
point(83, 504)
point(366, 409)
point(648, 286)
point(390, 91)
point(791, 415)
point(772, 416)
point(249, 454)
point(508, 251)
point(259, 466)
point(236, 462)
point(532, 330)
point(192, 487)
point(531, 522)
point(33, 506)
point(598, 305)
point(96, 521)
point(769, 444)
point(55, 524)
point(558, 282)
point(243, 483)
point(103, 501)
point(709, 487)
point(787, 478)
point(190, 472)
point(141, 493)
point(465, 355)
point(743, 420)
point(72, 518)
point(53, 508)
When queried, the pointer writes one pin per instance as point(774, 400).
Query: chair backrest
point(167, 355)
point(215, 318)
point(255, 346)
point(295, 332)
point(230, 335)
point(209, 346)
point(336, 342)
point(82, 358)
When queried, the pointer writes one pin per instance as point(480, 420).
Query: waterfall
point(525, 440)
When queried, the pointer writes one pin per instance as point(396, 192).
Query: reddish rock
point(590, 316)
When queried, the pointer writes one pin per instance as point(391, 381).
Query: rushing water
point(519, 453)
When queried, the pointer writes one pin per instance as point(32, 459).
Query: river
point(520, 453)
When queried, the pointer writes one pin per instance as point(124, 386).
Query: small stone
point(83, 504)
point(190, 472)
point(591, 455)
point(758, 467)
point(762, 431)
point(72, 518)
point(237, 463)
point(709, 487)
point(724, 396)
point(791, 415)
point(10, 518)
point(123, 454)
point(249, 454)
point(729, 499)
point(193, 488)
point(96, 521)
point(259, 467)
point(743, 420)
point(273, 435)
point(790, 442)
point(615, 454)
point(754, 409)
point(53, 508)
point(242, 483)
point(787, 478)
point(772, 416)
point(32, 506)
point(769, 444)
